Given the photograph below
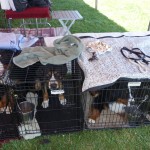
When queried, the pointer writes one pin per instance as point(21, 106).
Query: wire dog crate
point(8, 118)
point(55, 91)
point(126, 103)
point(45, 99)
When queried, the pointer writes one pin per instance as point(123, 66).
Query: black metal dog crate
point(44, 99)
point(126, 103)
point(8, 118)
point(55, 92)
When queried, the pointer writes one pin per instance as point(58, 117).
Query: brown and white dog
point(117, 106)
point(50, 77)
point(6, 105)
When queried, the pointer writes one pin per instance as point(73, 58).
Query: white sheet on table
point(112, 65)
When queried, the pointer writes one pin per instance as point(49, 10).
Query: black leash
point(140, 55)
point(84, 37)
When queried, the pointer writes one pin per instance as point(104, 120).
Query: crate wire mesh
point(38, 84)
point(126, 103)
point(64, 113)
point(8, 117)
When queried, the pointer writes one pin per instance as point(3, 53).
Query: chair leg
point(24, 26)
point(36, 23)
point(9, 24)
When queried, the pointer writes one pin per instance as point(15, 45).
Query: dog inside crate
point(40, 78)
point(111, 106)
point(9, 119)
point(55, 95)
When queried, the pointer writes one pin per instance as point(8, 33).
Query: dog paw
point(63, 102)
point(45, 104)
point(91, 121)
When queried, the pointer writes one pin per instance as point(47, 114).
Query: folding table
point(66, 18)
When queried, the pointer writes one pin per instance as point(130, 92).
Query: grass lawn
point(118, 16)
point(122, 139)
point(111, 16)
point(132, 15)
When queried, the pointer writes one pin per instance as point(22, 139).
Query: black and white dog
point(50, 77)
point(108, 98)
point(37, 78)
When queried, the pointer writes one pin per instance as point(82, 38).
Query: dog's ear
point(94, 93)
point(61, 69)
point(4, 99)
point(38, 85)
point(122, 101)
point(44, 71)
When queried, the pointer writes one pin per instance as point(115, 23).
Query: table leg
point(65, 26)
point(72, 22)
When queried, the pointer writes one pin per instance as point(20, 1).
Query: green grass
point(93, 20)
point(111, 16)
point(121, 139)
point(132, 15)
point(118, 16)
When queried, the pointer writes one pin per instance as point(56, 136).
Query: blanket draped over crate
point(62, 51)
point(112, 66)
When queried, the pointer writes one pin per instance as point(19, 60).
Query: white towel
point(12, 6)
point(16, 41)
point(5, 5)
point(8, 41)
point(28, 41)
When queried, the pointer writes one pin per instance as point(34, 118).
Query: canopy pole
point(96, 3)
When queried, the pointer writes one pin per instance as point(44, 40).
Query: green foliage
point(120, 139)
point(111, 16)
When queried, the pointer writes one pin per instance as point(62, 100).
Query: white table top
point(66, 15)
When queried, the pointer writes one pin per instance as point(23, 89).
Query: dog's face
point(50, 76)
point(55, 81)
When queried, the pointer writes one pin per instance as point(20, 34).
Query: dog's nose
point(53, 86)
